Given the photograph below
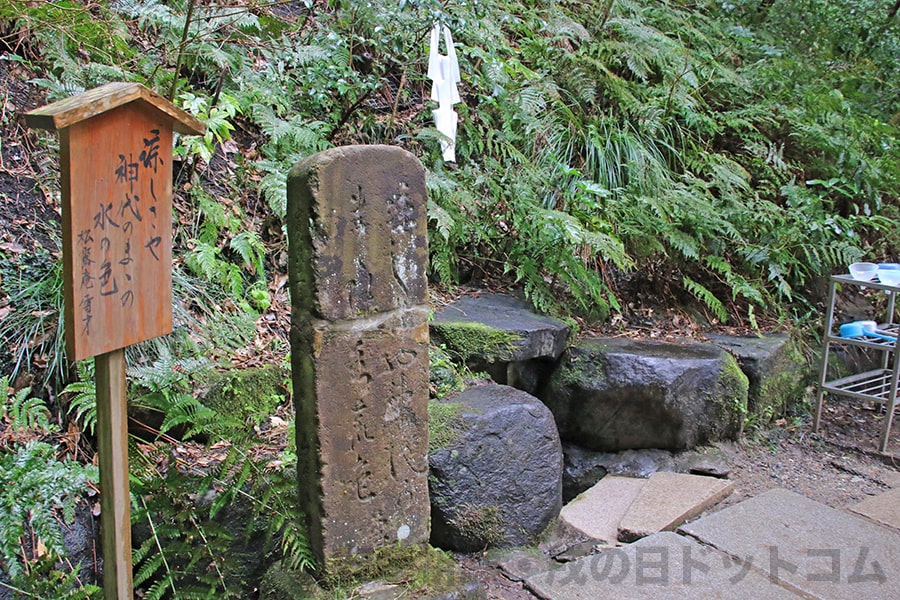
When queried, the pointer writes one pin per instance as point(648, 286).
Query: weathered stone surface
point(775, 368)
point(598, 512)
point(498, 480)
point(883, 508)
point(367, 250)
point(664, 566)
point(582, 469)
point(617, 394)
point(519, 564)
point(365, 438)
point(819, 551)
point(668, 500)
point(359, 350)
point(492, 330)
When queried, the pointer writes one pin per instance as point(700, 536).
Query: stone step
point(624, 509)
point(598, 511)
point(883, 508)
point(819, 551)
point(663, 566)
point(668, 500)
point(501, 326)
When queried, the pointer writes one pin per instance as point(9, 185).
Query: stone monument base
point(408, 572)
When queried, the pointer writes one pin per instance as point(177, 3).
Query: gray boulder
point(615, 394)
point(775, 368)
point(496, 469)
point(490, 332)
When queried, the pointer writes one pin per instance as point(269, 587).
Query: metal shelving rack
point(879, 385)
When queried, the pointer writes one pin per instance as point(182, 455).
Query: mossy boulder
point(613, 394)
point(247, 395)
point(488, 332)
point(496, 470)
point(776, 370)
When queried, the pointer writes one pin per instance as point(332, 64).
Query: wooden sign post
point(116, 184)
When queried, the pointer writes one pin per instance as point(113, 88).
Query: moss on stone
point(421, 570)
point(247, 395)
point(480, 526)
point(444, 424)
point(734, 386)
point(468, 340)
point(783, 390)
point(424, 570)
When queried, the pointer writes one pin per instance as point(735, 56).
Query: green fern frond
point(203, 260)
point(22, 412)
point(706, 297)
point(250, 248)
point(36, 492)
point(83, 403)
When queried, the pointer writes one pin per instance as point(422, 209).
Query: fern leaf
point(707, 298)
point(203, 260)
point(248, 245)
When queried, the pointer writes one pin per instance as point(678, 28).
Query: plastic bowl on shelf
point(863, 271)
point(889, 277)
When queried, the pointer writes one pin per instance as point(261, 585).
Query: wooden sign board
point(116, 180)
point(116, 183)
point(117, 223)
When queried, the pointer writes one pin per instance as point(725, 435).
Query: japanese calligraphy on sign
point(117, 224)
point(116, 190)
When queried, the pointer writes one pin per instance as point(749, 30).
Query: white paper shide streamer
point(443, 70)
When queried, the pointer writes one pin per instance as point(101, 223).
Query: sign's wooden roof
point(66, 112)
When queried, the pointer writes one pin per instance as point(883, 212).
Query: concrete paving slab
point(598, 511)
point(807, 546)
point(663, 566)
point(668, 500)
point(883, 508)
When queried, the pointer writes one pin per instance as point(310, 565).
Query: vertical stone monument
point(357, 229)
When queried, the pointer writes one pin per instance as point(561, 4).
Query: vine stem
point(181, 46)
point(159, 547)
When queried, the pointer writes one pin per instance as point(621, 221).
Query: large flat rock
point(498, 328)
point(807, 546)
point(668, 500)
point(664, 566)
point(883, 508)
point(598, 511)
